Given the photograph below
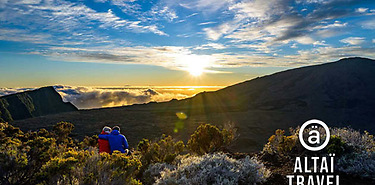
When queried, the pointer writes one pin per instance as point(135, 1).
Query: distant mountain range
point(339, 93)
point(33, 103)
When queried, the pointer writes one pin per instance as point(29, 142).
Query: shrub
point(359, 159)
point(153, 172)
point(90, 167)
point(22, 155)
point(164, 149)
point(13, 163)
point(336, 145)
point(280, 144)
point(89, 142)
point(208, 139)
point(62, 131)
point(211, 169)
point(353, 138)
point(358, 164)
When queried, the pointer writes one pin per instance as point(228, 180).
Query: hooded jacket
point(116, 141)
point(104, 144)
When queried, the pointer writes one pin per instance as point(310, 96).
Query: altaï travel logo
point(314, 135)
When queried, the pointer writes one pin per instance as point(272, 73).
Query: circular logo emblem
point(314, 135)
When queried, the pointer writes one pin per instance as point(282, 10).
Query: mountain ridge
point(33, 103)
point(266, 82)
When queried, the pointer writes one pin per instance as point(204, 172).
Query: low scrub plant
point(355, 139)
point(215, 168)
point(358, 164)
point(209, 139)
point(359, 159)
point(281, 144)
point(90, 167)
point(164, 149)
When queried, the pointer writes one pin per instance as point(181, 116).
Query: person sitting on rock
point(116, 140)
point(104, 144)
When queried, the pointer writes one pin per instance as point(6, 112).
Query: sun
point(196, 65)
point(195, 69)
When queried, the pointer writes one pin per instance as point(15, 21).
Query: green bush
point(62, 131)
point(164, 149)
point(22, 155)
point(280, 144)
point(89, 142)
point(90, 167)
point(208, 139)
point(13, 163)
point(336, 145)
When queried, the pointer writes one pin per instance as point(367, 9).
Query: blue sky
point(170, 42)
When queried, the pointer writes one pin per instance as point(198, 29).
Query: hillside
point(33, 103)
point(340, 93)
point(345, 84)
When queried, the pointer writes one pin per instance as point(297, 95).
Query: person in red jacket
point(104, 144)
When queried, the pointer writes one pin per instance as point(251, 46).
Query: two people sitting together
point(111, 140)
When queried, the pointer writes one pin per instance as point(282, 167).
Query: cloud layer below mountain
point(85, 97)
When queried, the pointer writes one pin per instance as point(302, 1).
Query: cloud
point(305, 40)
point(361, 10)
point(89, 97)
point(8, 91)
point(19, 35)
point(249, 32)
point(171, 57)
point(210, 46)
point(183, 58)
point(85, 97)
point(260, 9)
point(353, 40)
point(191, 15)
point(368, 24)
point(330, 30)
point(328, 53)
point(206, 5)
point(74, 20)
point(165, 13)
point(248, 15)
point(318, 55)
point(278, 22)
point(206, 23)
point(217, 32)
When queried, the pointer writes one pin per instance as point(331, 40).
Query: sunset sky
point(170, 42)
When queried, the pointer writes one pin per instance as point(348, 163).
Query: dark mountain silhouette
point(346, 84)
point(33, 103)
point(339, 93)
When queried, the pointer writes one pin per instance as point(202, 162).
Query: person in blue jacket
point(116, 140)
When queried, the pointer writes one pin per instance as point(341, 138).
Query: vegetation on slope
point(43, 157)
point(53, 157)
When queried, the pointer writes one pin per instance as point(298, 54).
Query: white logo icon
point(314, 135)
